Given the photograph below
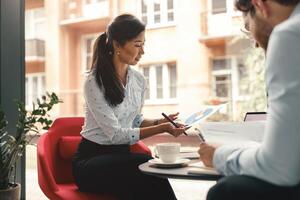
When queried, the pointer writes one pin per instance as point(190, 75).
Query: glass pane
point(157, 18)
point(242, 79)
point(144, 7)
point(221, 64)
point(223, 85)
point(34, 88)
point(170, 17)
point(173, 80)
point(40, 30)
point(156, 7)
point(88, 62)
point(218, 6)
point(146, 72)
point(28, 22)
point(170, 4)
point(159, 82)
point(89, 45)
point(26, 91)
point(144, 19)
point(43, 86)
point(39, 13)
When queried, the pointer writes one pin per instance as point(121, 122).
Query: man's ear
point(261, 6)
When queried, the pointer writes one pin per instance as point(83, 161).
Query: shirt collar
point(295, 11)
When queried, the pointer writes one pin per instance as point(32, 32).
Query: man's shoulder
point(290, 26)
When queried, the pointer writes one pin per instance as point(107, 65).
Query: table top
point(182, 172)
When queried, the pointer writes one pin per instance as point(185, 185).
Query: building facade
point(193, 51)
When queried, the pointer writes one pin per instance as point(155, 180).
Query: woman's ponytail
point(105, 72)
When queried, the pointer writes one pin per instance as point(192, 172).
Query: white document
point(199, 168)
point(251, 130)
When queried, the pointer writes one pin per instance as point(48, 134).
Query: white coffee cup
point(167, 152)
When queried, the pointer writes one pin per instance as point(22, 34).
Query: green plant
point(12, 147)
point(255, 82)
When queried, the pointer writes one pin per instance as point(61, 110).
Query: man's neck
point(281, 13)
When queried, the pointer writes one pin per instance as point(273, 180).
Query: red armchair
point(55, 150)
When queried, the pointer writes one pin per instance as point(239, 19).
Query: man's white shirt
point(277, 159)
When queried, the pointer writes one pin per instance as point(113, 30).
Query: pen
point(200, 135)
point(165, 116)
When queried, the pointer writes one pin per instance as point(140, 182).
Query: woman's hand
point(171, 116)
point(171, 129)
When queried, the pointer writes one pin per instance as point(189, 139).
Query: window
point(162, 83)
point(35, 87)
point(221, 71)
point(35, 23)
point(228, 75)
point(223, 85)
point(155, 12)
point(218, 6)
point(87, 51)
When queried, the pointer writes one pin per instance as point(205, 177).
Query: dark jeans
point(249, 188)
point(112, 169)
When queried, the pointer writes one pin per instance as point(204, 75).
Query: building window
point(223, 85)
point(87, 51)
point(35, 88)
point(221, 71)
point(154, 12)
point(228, 75)
point(218, 6)
point(162, 82)
point(35, 22)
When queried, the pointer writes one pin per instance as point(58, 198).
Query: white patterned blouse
point(109, 125)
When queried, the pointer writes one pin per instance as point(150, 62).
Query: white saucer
point(179, 162)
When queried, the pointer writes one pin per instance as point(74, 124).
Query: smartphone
point(255, 116)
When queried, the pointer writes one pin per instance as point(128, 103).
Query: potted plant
point(12, 147)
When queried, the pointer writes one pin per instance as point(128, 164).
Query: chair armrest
point(45, 178)
point(140, 147)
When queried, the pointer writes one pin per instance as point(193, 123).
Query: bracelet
point(156, 122)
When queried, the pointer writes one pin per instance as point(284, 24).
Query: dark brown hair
point(246, 6)
point(125, 27)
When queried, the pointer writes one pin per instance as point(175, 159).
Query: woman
point(114, 95)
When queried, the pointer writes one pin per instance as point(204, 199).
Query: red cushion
point(67, 146)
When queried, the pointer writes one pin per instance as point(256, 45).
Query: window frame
point(30, 16)
point(152, 87)
point(233, 72)
point(41, 89)
point(84, 54)
point(164, 11)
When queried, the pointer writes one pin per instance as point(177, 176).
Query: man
point(272, 169)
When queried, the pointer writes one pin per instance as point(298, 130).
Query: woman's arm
point(161, 128)
point(154, 122)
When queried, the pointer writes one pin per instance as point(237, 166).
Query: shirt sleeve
point(105, 117)
point(277, 159)
point(139, 117)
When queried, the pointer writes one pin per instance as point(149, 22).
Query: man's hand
point(206, 152)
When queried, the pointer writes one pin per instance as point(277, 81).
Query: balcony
point(218, 27)
point(85, 14)
point(35, 50)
